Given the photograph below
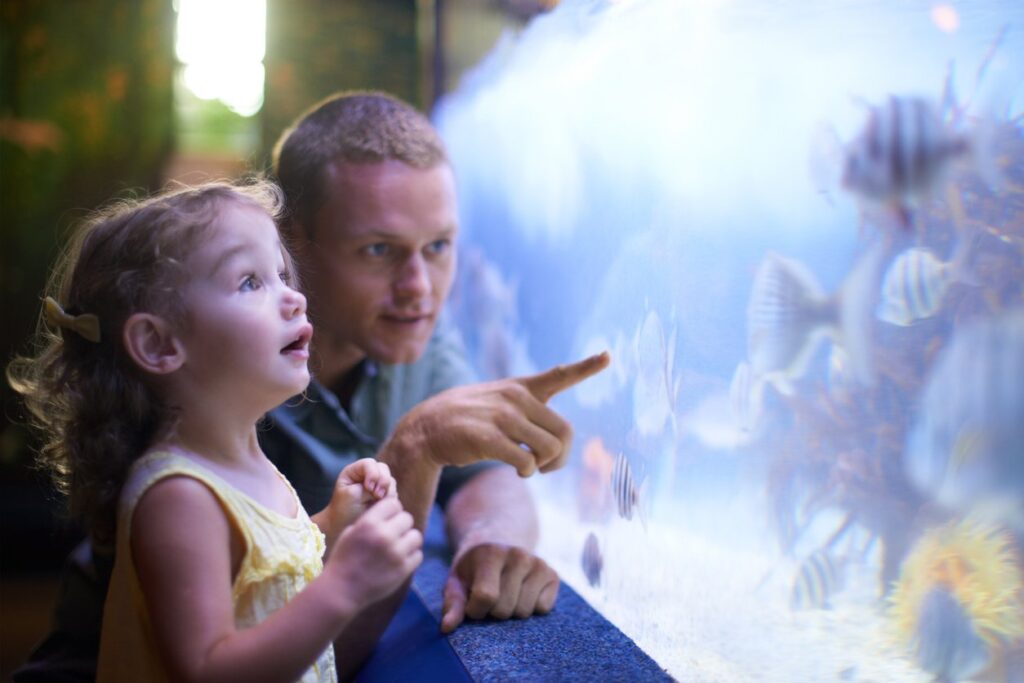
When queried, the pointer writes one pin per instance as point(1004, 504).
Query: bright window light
point(221, 44)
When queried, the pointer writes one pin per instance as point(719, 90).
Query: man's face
point(379, 261)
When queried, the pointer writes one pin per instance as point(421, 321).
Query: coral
point(976, 563)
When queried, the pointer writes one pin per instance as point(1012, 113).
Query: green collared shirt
point(311, 437)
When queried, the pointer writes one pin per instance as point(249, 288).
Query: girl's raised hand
point(374, 476)
point(360, 485)
point(375, 554)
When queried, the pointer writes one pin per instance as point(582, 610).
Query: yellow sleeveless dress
point(281, 556)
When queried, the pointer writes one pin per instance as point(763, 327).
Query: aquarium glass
point(798, 228)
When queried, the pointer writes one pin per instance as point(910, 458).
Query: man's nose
point(413, 279)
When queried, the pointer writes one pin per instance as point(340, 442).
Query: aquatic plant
point(842, 447)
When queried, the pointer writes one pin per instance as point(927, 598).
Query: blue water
point(620, 158)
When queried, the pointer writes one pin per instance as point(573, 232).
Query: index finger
point(546, 384)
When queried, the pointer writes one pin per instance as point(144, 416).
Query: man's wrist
point(409, 445)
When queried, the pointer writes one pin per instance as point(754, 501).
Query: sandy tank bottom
point(718, 611)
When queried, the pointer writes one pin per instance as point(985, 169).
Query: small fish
point(746, 395)
point(654, 392)
point(947, 644)
point(714, 423)
point(486, 306)
point(901, 154)
point(591, 560)
point(624, 489)
point(789, 314)
point(817, 580)
point(839, 375)
point(595, 498)
point(969, 444)
point(486, 294)
point(916, 282)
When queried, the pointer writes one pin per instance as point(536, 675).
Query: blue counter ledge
point(572, 643)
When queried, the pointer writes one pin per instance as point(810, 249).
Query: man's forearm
point(495, 506)
point(405, 453)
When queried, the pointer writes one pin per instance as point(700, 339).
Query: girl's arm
point(186, 554)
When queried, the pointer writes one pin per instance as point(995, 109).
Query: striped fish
point(817, 580)
point(624, 488)
point(901, 153)
point(916, 283)
point(654, 394)
point(592, 560)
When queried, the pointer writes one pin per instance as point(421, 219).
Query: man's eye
point(250, 283)
point(439, 246)
point(377, 250)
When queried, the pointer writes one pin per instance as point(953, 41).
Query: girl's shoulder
point(158, 465)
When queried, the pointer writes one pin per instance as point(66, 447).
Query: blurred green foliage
point(211, 126)
point(316, 48)
point(85, 113)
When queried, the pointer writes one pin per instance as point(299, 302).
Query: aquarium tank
point(798, 228)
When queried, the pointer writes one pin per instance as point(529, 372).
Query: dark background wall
point(85, 112)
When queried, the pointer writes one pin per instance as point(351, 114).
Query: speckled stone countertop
point(571, 643)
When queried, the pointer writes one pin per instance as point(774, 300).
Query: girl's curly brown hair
point(95, 410)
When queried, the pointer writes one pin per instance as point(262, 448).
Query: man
point(372, 222)
point(373, 225)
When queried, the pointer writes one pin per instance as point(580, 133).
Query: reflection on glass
point(800, 232)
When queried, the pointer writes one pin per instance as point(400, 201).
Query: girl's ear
point(151, 343)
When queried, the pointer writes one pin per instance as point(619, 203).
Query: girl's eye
point(286, 276)
point(250, 283)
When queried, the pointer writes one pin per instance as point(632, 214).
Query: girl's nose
point(294, 303)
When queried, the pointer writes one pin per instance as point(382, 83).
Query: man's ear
point(151, 343)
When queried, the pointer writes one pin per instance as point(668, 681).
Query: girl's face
point(246, 336)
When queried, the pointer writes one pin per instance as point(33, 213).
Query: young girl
point(170, 330)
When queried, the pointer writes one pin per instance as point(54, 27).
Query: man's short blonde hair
point(353, 126)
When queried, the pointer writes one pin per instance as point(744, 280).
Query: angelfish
point(817, 579)
point(916, 283)
point(625, 491)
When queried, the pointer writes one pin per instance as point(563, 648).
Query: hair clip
point(86, 325)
